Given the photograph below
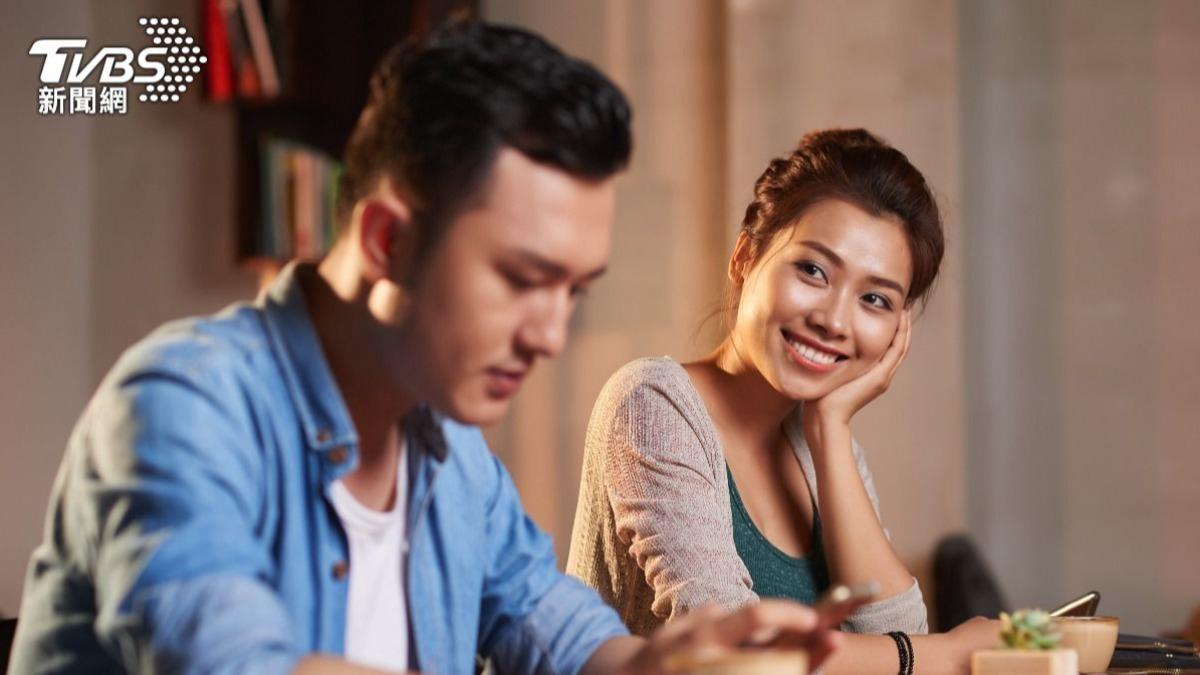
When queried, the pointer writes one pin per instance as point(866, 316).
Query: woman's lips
point(805, 355)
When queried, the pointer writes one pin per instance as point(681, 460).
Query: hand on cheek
point(839, 405)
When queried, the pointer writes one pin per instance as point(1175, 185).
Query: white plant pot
point(1020, 662)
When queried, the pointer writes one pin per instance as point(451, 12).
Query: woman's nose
point(831, 316)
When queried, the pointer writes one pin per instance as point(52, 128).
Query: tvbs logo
point(165, 70)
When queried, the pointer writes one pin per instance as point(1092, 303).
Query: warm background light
point(1048, 403)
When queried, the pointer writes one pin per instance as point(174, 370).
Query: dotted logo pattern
point(183, 59)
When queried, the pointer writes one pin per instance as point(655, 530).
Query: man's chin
point(479, 412)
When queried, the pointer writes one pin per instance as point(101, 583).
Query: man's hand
point(709, 632)
point(324, 665)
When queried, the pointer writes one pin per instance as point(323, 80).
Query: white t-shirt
point(377, 606)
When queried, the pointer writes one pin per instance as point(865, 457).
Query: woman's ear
point(739, 262)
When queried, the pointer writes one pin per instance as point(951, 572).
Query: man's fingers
point(757, 620)
point(705, 632)
point(822, 645)
point(680, 629)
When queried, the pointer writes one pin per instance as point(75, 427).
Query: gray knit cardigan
point(653, 528)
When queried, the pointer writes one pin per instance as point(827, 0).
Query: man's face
point(496, 292)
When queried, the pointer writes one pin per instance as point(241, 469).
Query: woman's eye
point(811, 270)
point(877, 300)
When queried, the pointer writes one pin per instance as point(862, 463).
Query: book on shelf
point(218, 76)
point(260, 48)
point(244, 48)
point(299, 200)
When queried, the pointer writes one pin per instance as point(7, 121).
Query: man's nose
point(545, 332)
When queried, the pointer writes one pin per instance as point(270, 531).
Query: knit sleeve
point(669, 506)
point(904, 611)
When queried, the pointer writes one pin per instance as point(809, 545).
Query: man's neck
point(337, 304)
point(373, 482)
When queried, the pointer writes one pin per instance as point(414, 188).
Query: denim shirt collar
point(318, 400)
point(322, 411)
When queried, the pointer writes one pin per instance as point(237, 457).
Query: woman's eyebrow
point(837, 260)
point(825, 250)
point(884, 281)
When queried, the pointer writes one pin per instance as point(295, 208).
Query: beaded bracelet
point(905, 650)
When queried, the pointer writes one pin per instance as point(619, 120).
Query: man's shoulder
point(203, 351)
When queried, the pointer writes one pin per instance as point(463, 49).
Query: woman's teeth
point(814, 355)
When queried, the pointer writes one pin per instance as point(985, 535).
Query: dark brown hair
point(441, 108)
point(858, 167)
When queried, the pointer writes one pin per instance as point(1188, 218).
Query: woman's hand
point(839, 405)
point(960, 642)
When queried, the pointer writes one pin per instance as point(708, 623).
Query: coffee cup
point(1094, 638)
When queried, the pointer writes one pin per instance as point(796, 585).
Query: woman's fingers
point(899, 348)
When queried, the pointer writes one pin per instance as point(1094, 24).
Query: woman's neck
point(743, 402)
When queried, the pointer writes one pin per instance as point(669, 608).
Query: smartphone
point(1084, 605)
point(839, 602)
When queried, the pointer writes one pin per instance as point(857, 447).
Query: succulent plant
point(1028, 629)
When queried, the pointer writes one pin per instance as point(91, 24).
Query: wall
point(112, 226)
point(1081, 148)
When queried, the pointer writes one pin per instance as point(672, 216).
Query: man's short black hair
point(441, 108)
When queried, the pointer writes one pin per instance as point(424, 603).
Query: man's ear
point(386, 238)
point(739, 262)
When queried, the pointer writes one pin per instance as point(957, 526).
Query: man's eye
point(519, 282)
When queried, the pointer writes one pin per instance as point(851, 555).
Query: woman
point(735, 477)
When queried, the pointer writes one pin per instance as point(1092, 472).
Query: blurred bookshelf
point(295, 75)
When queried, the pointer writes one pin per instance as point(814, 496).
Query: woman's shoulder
point(650, 407)
point(650, 371)
point(658, 383)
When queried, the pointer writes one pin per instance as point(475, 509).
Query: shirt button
point(323, 436)
point(340, 570)
point(337, 455)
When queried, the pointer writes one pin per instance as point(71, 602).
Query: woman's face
point(820, 305)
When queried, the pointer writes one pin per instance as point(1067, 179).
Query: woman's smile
point(831, 286)
point(810, 354)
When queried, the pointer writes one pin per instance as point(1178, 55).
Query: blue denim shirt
point(189, 528)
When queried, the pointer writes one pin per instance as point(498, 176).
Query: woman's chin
point(806, 386)
point(803, 389)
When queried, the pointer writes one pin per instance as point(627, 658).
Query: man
point(301, 476)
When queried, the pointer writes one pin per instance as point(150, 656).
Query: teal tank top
point(776, 574)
